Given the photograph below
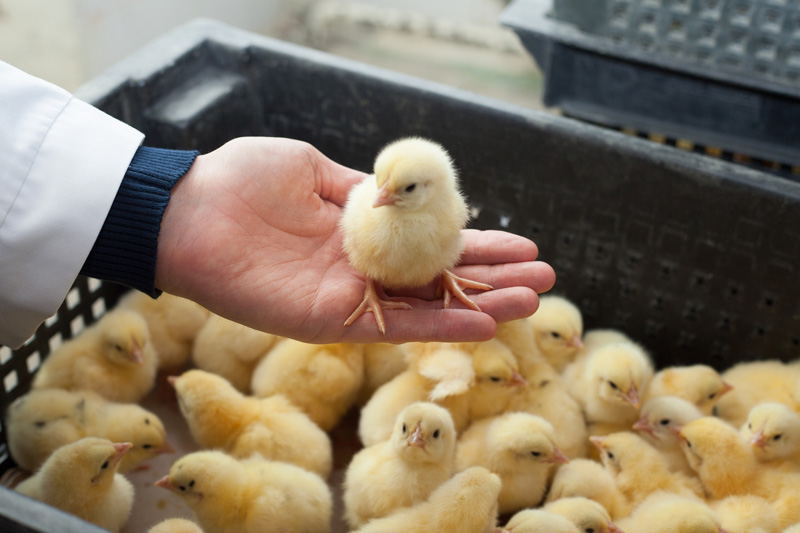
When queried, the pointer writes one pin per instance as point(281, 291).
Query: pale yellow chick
point(323, 380)
point(558, 330)
point(773, 431)
point(497, 379)
point(466, 503)
point(250, 495)
point(520, 448)
point(639, 470)
point(81, 478)
point(608, 384)
point(757, 382)
point(659, 417)
point(538, 521)
point(670, 513)
point(518, 336)
point(221, 417)
point(42, 421)
point(547, 396)
point(113, 357)
point(437, 372)
point(589, 479)
point(231, 350)
point(597, 338)
point(175, 525)
point(587, 514)
point(747, 514)
point(698, 384)
point(404, 470)
point(382, 363)
point(402, 226)
point(174, 323)
point(712, 447)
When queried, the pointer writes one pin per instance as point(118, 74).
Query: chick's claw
point(373, 302)
point(451, 285)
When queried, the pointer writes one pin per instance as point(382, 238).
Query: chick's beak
point(172, 380)
point(575, 341)
point(164, 483)
point(614, 528)
point(726, 387)
point(758, 439)
point(632, 397)
point(120, 449)
point(165, 448)
point(644, 425)
point(136, 353)
point(517, 380)
point(558, 458)
point(417, 439)
point(384, 197)
point(676, 430)
point(598, 441)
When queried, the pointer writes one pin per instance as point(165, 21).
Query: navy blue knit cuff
point(125, 250)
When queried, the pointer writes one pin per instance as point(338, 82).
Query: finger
point(534, 275)
point(335, 182)
point(491, 247)
point(424, 325)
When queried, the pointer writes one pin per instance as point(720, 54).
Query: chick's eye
point(105, 465)
point(749, 426)
point(536, 454)
point(712, 395)
point(664, 422)
point(688, 444)
point(146, 446)
point(555, 334)
point(613, 385)
point(191, 483)
point(436, 434)
point(495, 379)
point(589, 530)
point(411, 187)
point(610, 455)
point(118, 347)
point(777, 437)
point(182, 488)
point(404, 428)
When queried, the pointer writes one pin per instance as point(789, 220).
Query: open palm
point(251, 232)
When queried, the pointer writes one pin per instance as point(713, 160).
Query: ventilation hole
point(51, 321)
point(73, 298)
point(759, 331)
point(76, 325)
point(94, 284)
point(33, 361)
point(733, 290)
point(5, 354)
point(768, 302)
point(11, 381)
point(55, 342)
point(98, 308)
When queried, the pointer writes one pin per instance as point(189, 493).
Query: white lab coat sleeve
point(61, 163)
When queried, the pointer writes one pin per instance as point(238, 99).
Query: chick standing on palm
point(404, 228)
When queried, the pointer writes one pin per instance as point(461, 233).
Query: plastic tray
point(720, 73)
point(693, 257)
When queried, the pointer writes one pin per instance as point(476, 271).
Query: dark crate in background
point(718, 73)
point(691, 256)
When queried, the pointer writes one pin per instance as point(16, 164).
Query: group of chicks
point(544, 428)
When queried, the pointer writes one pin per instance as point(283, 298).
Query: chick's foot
point(451, 285)
point(372, 302)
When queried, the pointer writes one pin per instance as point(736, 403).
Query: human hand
point(251, 233)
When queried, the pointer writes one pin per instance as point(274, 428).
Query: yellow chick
point(609, 382)
point(520, 448)
point(587, 514)
point(323, 380)
point(747, 514)
point(545, 395)
point(773, 431)
point(174, 322)
point(558, 330)
point(175, 525)
point(712, 446)
point(231, 350)
point(757, 382)
point(669, 513)
point(538, 521)
point(584, 478)
point(250, 495)
point(81, 478)
point(42, 421)
point(221, 417)
point(518, 336)
point(497, 379)
point(382, 363)
point(466, 503)
point(659, 417)
point(639, 470)
point(698, 384)
point(405, 470)
point(402, 226)
point(113, 357)
point(597, 338)
point(438, 372)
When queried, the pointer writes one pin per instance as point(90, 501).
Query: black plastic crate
point(719, 73)
point(693, 257)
